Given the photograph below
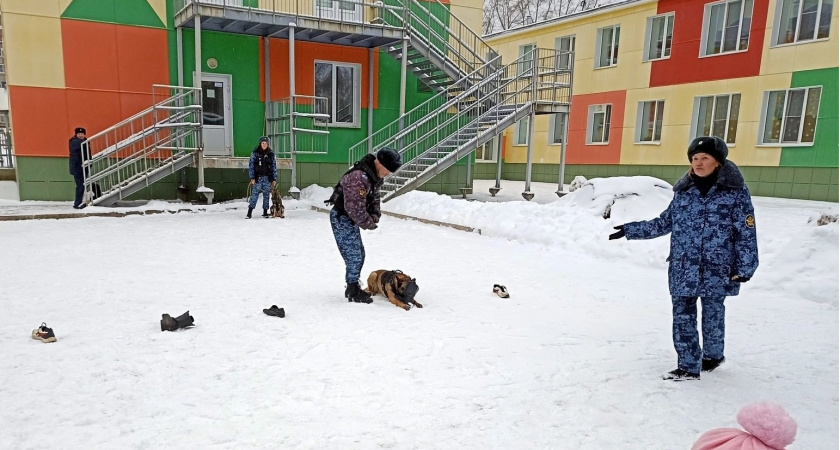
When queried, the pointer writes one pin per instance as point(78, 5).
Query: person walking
point(713, 251)
point(76, 159)
point(262, 169)
point(356, 205)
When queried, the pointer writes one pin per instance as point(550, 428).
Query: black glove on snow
point(618, 234)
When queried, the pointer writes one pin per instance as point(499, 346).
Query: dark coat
point(357, 194)
point(76, 156)
point(262, 164)
point(712, 237)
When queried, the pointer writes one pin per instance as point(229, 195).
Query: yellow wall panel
point(63, 4)
point(470, 12)
point(33, 50)
point(160, 8)
point(676, 131)
point(48, 8)
point(800, 56)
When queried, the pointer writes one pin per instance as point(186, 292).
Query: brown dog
point(392, 284)
point(277, 208)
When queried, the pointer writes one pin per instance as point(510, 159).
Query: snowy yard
point(571, 361)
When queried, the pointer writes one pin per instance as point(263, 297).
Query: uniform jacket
point(357, 194)
point(262, 164)
point(76, 155)
point(712, 237)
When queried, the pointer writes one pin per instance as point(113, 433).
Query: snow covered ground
point(571, 361)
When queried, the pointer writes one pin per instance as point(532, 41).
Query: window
point(606, 46)
point(803, 20)
point(488, 151)
point(339, 83)
point(565, 44)
point(520, 133)
point(555, 135)
point(660, 30)
point(716, 115)
point(649, 121)
point(726, 27)
point(598, 124)
point(790, 117)
point(526, 57)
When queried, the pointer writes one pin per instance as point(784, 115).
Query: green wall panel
point(824, 152)
point(124, 12)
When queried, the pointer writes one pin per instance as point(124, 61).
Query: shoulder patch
point(750, 220)
point(362, 192)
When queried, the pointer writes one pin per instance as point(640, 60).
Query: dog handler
point(262, 169)
point(356, 205)
point(713, 251)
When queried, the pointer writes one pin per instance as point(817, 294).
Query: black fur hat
point(710, 145)
point(80, 130)
point(389, 158)
point(263, 139)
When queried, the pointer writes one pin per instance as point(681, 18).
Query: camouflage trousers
point(349, 241)
point(686, 340)
point(264, 186)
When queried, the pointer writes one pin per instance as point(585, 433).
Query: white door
point(345, 11)
point(218, 115)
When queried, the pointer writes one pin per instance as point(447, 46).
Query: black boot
point(265, 213)
point(185, 320)
point(355, 293)
point(250, 210)
point(167, 323)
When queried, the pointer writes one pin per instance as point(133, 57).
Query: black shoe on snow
point(266, 214)
point(711, 364)
point(355, 293)
point(44, 334)
point(168, 323)
point(250, 210)
point(275, 311)
point(680, 375)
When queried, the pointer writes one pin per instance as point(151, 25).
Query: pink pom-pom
point(768, 422)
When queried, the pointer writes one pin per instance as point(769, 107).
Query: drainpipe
point(497, 140)
point(370, 98)
point(293, 190)
point(267, 89)
point(560, 186)
point(197, 84)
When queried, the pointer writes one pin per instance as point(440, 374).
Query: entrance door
point(345, 11)
point(218, 115)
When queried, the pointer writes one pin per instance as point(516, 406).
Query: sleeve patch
point(750, 220)
point(363, 192)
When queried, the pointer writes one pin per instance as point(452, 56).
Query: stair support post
point(197, 84)
point(560, 186)
point(294, 191)
point(403, 69)
point(497, 147)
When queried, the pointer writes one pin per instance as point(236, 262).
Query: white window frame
point(704, 35)
point(553, 123)
point(642, 121)
point(592, 111)
point(569, 57)
point(777, 25)
point(491, 146)
point(763, 118)
point(696, 120)
point(613, 49)
point(667, 44)
point(519, 133)
point(357, 93)
point(524, 63)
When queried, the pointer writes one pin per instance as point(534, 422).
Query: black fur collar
point(729, 176)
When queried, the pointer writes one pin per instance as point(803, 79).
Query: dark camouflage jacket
point(357, 194)
point(712, 237)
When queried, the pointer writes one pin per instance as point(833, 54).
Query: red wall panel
point(39, 118)
point(90, 55)
point(142, 58)
point(580, 153)
point(686, 65)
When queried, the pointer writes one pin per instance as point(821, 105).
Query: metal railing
point(341, 11)
point(305, 119)
point(7, 158)
point(147, 143)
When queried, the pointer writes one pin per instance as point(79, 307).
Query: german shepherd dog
point(398, 287)
point(277, 209)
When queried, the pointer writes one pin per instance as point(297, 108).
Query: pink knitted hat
point(768, 427)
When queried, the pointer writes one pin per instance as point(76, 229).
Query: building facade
point(649, 76)
point(92, 63)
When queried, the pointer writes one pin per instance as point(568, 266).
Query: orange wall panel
point(90, 55)
point(142, 58)
point(306, 53)
point(40, 123)
point(132, 103)
point(94, 110)
point(580, 153)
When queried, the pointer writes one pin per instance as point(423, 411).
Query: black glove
point(375, 218)
point(618, 234)
point(739, 278)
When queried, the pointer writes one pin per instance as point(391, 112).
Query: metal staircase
point(468, 113)
point(144, 148)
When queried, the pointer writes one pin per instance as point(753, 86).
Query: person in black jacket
point(262, 169)
point(76, 159)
